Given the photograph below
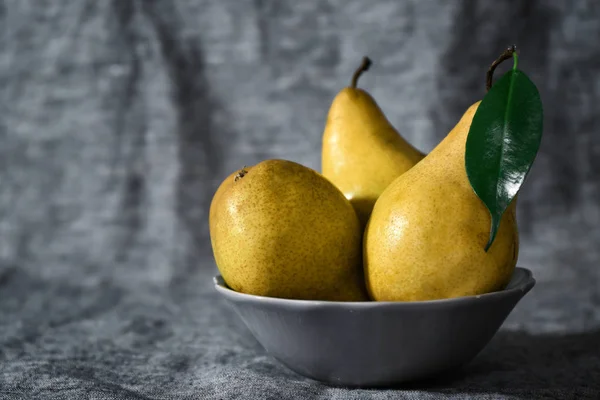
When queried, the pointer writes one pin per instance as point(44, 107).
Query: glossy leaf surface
point(503, 141)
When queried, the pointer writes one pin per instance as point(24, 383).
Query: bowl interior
point(521, 281)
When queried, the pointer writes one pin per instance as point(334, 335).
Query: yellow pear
point(427, 234)
point(362, 152)
point(280, 229)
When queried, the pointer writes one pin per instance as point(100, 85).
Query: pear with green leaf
point(362, 152)
point(447, 227)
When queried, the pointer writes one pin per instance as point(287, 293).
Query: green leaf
point(503, 141)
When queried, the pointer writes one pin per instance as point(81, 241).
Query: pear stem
point(241, 173)
point(364, 66)
point(510, 52)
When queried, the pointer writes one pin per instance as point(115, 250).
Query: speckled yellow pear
point(362, 152)
point(427, 234)
point(280, 229)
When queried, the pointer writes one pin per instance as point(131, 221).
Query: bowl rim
point(523, 284)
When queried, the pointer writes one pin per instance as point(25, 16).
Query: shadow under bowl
point(374, 344)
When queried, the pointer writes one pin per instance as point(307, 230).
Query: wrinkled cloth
point(120, 118)
point(67, 341)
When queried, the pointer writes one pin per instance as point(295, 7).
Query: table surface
point(182, 341)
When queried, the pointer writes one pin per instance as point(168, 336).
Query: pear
point(280, 229)
point(362, 153)
point(427, 234)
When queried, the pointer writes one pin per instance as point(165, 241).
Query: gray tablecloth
point(64, 340)
point(120, 118)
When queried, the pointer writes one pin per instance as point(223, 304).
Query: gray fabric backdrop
point(120, 117)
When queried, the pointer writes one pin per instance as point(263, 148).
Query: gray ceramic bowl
point(376, 343)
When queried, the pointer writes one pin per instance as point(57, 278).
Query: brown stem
point(364, 66)
point(508, 53)
point(241, 173)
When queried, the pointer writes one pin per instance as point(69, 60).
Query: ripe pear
point(427, 234)
point(362, 152)
point(280, 229)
